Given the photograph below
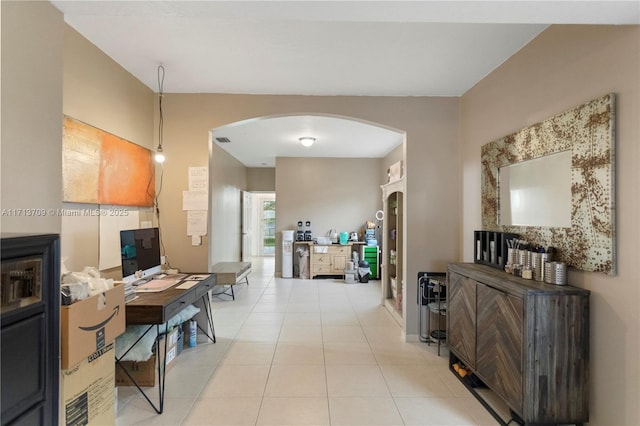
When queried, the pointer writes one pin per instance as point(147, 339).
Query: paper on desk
point(156, 285)
point(198, 277)
point(187, 284)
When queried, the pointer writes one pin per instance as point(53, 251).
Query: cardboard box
point(146, 372)
point(88, 391)
point(88, 325)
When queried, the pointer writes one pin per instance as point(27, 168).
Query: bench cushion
point(228, 273)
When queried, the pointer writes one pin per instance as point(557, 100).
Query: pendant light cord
point(161, 95)
point(160, 140)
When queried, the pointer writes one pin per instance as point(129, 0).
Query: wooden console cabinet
point(525, 340)
point(329, 259)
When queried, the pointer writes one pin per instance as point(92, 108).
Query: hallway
point(306, 352)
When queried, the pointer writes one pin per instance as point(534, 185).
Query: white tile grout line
point(351, 297)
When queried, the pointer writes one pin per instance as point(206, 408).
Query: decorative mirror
point(587, 133)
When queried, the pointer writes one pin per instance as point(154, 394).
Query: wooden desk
point(156, 309)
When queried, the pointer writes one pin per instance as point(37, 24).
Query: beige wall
point(227, 180)
point(432, 154)
point(563, 67)
point(331, 193)
point(31, 160)
point(261, 179)
point(101, 93)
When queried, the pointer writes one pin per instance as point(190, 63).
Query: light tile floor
point(306, 352)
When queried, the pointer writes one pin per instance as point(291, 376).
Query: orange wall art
point(101, 168)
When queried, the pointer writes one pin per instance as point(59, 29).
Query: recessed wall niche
point(587, 131)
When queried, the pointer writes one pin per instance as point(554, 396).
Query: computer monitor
point(140, 252)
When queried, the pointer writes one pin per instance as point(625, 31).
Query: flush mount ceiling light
point(307, 141)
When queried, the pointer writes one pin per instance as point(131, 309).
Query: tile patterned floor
point(306, 352)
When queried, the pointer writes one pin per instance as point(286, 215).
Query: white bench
point(230, 273)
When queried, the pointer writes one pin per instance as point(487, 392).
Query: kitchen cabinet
point(525, 340)
point(393, 263)
point(328, 259)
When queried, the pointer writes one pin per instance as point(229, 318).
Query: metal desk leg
point(225, 292)
point(208, 311)
point(161, 370)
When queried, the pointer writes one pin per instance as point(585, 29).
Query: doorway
point(258, 224)
point(268, 226)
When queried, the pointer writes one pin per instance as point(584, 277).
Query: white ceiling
point(359, 48)
point(258, 142)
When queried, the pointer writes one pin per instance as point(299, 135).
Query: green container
point(344, 238)
point(370, 254)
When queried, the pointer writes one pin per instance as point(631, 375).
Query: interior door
point(246, 228)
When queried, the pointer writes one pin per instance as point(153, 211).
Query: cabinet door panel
point(557, 359)
point(461, 317)
point(499, 351)
point(24, 365)
point(339, 263)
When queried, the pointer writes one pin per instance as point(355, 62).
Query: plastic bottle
point(193, 333)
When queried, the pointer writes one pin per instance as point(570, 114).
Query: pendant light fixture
point(307, 141)
point(159, 157)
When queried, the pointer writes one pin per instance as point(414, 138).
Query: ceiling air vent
point(223, 140)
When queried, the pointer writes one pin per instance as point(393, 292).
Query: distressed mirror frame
point(589, 132)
